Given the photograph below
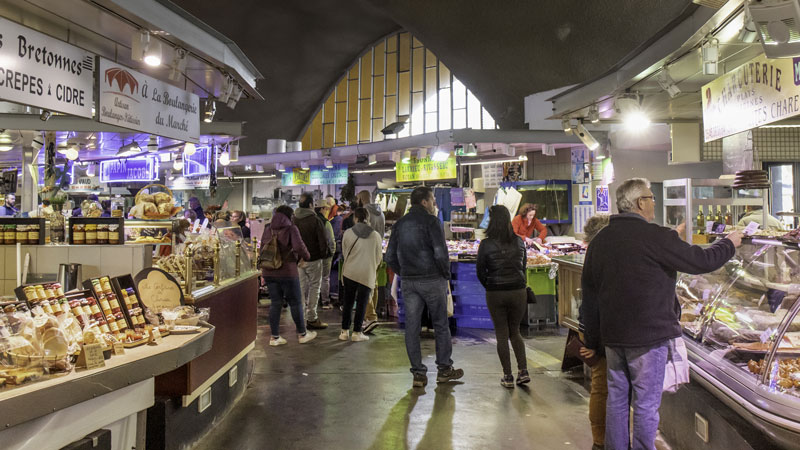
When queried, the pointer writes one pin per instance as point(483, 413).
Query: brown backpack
point(270, 257)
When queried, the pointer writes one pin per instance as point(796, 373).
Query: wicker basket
point(175, 209)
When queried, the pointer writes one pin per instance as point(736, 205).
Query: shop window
point(397, 77)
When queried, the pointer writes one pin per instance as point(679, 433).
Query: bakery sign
point(759, 92)
point(131, 99)
point(40, 71)
point(425, 169)
point(143, 168)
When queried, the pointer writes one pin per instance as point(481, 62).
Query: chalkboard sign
point(158, 290)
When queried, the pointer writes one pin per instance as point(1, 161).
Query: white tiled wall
point(97, 260)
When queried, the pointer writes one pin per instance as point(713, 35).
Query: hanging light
point(304, 165)
point(209, 111)
point(178, 163)
point(91, 170)
point(189, 149)
point(152, 144)
point(225, 158)
point(594, 114)
point(470, 150)
point(233, 150)
point(328, 163)
point(406, 157)
point(152, 55)
point(259, 168)
point(279, 167)
point(440, 155)
point(71, 153)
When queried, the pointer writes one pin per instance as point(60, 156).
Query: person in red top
point(526, 222)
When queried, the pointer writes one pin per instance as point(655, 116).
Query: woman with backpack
point(282, 247)
point(361, 250)
point(501, 270)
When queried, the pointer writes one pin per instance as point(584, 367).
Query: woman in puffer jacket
point(501, 270)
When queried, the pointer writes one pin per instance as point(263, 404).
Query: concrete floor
point(330, 394)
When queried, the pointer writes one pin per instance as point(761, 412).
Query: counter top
point(204, 292)
point(39, 398)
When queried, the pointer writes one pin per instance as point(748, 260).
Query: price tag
point(91, 356)
point(119, 349)
point(706, 294)
point(766, 336)
point(155, 337)
point(693, 283)
point(709, 227)
point(751, 228)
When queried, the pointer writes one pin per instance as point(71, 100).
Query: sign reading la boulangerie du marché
point(759, 92)
point(425, 169)
point(41, 71)
point(131, 99)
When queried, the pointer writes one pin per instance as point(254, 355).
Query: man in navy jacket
point(629, 304)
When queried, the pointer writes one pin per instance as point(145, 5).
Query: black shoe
point(523, 377)
point(371, 325)
point(450, 374)
point(507, 381)
point(598, 447)
point(420, 380)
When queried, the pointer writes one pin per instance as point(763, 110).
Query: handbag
point(344, 258)
point(676, 372)
point(574, 346)
point(531, 295)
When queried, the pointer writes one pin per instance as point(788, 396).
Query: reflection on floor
point(330, 394)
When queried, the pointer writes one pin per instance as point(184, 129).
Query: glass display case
point(150, 231)
point(743, 334)
point(554, 198)
point(688, 198)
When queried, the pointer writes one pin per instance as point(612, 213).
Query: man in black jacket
point(629, 302)
point(312, 230)
point(417, 252)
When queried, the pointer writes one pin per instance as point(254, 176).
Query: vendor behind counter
point(525, 223)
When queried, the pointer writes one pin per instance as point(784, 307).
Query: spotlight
point(667, 83)
point(233, 149)
point(304, 165)
point(594, 114)
point(710, 52)
point(235, 96)
point(152, 144)
point(91, 170)
point(470, 150)
point(328, 163)
point(71, 153)
point(45, 115)
point(178, 64)
point(177, 165)
point(636, 120)
point(373, 159)
point(152, 55)
point(406, 157)
point(209, 111)
point(279, 167)
point(6, 147)
point(189, 149)
point(748, 32)
point(393, 128)
point(139, 44)
point(225, 158)
point(422, 153)
point(585, 137)
point(259, 169)
point(566, 125)
point(226, 89)
point(129, 150)
point(440, 155)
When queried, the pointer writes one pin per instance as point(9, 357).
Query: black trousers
point(507, 309)
point(359, 294)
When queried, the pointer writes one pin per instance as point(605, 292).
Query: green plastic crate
point(540, 282)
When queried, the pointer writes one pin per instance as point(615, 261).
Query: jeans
point(310, 278)
point(507, 309)
point(288, 290)
point(357, 293)
point(597, 402)
point(433, 293)
point(635, 378)
point(325, 284)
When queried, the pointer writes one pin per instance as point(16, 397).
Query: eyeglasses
point(652, 197)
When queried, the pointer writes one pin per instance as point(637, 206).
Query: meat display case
point(742, 333)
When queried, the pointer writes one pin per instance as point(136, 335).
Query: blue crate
point(471, 310)
point(484, 323)
point(470, 299)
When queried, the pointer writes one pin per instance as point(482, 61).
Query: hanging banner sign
point(315, 176)
point(40, 71)
point(602, 203)
point(198, 163)
point(131, 99)
point(183, 183)
point(425, 169)
point(85, 183)
point(759, 92)
point(143, 168)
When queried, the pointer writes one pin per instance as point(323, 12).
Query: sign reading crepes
point(41, 71)
point(426, 169)
point(759, 92)
point(131, 99)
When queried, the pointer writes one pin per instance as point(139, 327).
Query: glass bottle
point(701, 221)
point(728, 217)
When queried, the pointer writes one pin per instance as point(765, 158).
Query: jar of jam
point(22, 234)
point(121, 322)
point(95, 309)
point(91, 234)
point(96, 287)
point(113, 234)
point(102, 233)
point(112, 300)
point(33, 234)
point(30, 293)
point(104, 305)
point(112, 324)
point(105, 283)
point(125, 299)
point(104, 328)
point(10, 234)
point(45, 304)
point(78, 234)
point(59, 290)
point(40, 293)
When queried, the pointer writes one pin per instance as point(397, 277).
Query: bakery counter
point(62, 409)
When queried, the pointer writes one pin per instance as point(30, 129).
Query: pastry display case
point(150, 231)
point(742, 331)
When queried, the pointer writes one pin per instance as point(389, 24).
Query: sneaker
point(420, 380)
point(344, 335)
point(276, 341)
point(507, 381)
point(359, 337)
point(523, 377)
point(450, 374)
point(317, 325)
point(308, 337)
point(370, 326)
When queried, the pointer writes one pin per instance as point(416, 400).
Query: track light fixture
point(177, 165)
point(152, 55)
point(406, 157)
point(328, 163)
point(152, 144)
point(209, 110)
point(45, 115)
point(470, 150)
point(594, 114)
point(235, 96)
point(227, 88)
point(566, 125)
point(710, 53)
point(304, 165)
point(233, 150)
point(440, 155)
point(145, 48)
point(667, 83)
point(91, 170)
point(279, 167)
point(588, 140)
point(372, 160)
point(178, 64)
point(259, 168)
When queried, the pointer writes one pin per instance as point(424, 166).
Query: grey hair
point(629, 191)
point(593, 226)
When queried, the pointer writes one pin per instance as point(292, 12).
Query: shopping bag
point(381, 277)
point(449, 301)
point(677, 371)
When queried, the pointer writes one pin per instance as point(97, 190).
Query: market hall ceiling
point(502, 50)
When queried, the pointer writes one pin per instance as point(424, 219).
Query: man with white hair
point(629, 304)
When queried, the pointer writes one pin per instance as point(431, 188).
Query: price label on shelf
point(751, 228)
point(155, 336)
point(91, 356)
point(119, 349)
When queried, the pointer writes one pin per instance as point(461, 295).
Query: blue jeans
point(288, 290)
point(635, 378)
point(417, 294)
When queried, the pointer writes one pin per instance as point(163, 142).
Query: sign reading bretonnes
point(134, 100)
point(43, 72)
point(759, 92)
